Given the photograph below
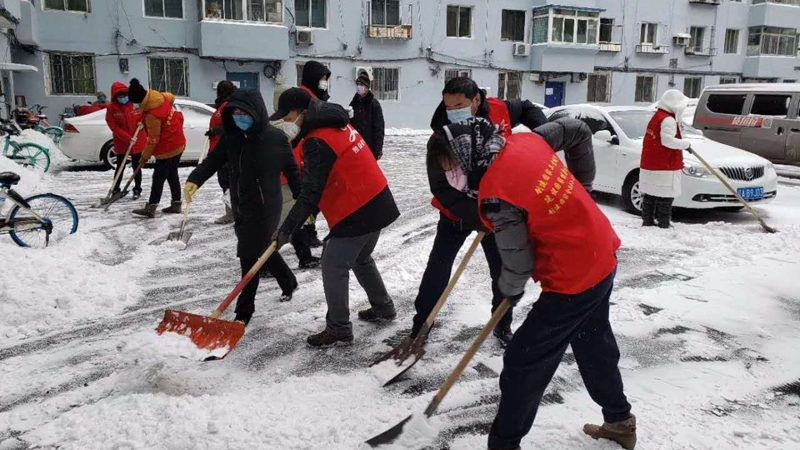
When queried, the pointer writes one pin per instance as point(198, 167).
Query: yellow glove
point(190, 189)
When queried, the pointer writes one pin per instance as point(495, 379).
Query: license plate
point(754, 193)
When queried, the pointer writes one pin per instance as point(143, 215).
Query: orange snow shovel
point(209, 332)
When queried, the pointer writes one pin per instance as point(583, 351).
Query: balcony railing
point(706, 2)
point(700, 51)
point(652, 49)
point(778, 2)
point(387, 20)
point(615, 47)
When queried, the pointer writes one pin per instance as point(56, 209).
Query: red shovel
point(209, 332)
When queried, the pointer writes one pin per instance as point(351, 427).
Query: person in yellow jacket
point(165, 141)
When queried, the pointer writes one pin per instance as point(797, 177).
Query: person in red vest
point(462, 99)
point(165, 141)
point(662, 160)
point(547, 227)
point(215, 129)
point(343, 180)
point(122, 118)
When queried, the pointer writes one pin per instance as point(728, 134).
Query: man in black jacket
point(254, 154)
point(459, 213)
point(343, 181)
point(368, 116)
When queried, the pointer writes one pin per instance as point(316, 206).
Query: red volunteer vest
point(498, 115)
point(573, 241)
point(297, 152)
point(216, 121)
point(654, 155)
point(355, 178)
point(172, 137)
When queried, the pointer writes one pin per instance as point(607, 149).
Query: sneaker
point(369, 315)
point(623, 432)
point(503, 334)
point(325, 339)
point(311, 263)
point(137, 195)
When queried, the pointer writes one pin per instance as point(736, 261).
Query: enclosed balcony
point(652, 49)
point(775, 13)
point(706, 2)
point(387, 20)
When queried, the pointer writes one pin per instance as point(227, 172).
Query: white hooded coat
point(667, 183)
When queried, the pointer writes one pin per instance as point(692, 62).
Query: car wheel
point(632, 194)
point(108, 156)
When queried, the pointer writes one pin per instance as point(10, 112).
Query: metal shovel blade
point(180, 236)
point(388, 436)
point(214, 335)
point(391, 366)
point(114, 198)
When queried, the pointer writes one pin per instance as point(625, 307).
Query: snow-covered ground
point(707, 316)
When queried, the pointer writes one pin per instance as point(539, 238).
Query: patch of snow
point(418, 433)
point(407, 132)
point(57, 158)
point(385, 371)
point(148, 347)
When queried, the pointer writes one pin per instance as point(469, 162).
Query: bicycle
point(25, 154)
point(41, 124)
point(35, 221)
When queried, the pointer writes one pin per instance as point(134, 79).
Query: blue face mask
point(122, 100)
point(243, 121)
point(459, 115)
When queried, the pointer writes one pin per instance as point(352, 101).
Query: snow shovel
point(182, 235)
point(124, 191)
point(764, 225)
point(209, 332)
point(385, 439)
point(398, 359)
point(120, 169)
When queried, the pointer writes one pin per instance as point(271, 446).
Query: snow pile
point(418, 433)
point(407, 132)
point(31, 180)
point(149, 347)
point(57, 159)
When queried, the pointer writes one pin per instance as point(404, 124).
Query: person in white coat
point(662, 160)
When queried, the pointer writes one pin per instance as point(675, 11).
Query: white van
point(761, 118)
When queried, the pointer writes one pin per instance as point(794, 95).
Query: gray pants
point(340, 255)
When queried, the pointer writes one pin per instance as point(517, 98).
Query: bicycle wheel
point(54, 133)
point(61, 218)
point(31, 155)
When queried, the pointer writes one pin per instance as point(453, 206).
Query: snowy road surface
point(707, 316)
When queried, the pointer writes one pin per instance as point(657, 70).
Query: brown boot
point(227, 218)
point(623, 433)
point(173, 208)
point(149, 211)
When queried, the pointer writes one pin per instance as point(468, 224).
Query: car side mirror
point(605, 136)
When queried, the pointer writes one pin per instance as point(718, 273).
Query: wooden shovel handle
point(246, 279)
point(121, 167)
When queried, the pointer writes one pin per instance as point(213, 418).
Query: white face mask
point(290, 129)
point(323, 85)
point(456, 178)
point(362, 90)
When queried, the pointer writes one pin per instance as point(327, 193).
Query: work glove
point(691, 152)
point(281, 238)
point(514, 299)
point(189, 190)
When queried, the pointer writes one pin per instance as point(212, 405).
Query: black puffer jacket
point(256, 159)
point(312, 73)
point(318, 161)
point(368, 121)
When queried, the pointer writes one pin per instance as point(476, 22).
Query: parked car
point(618, 136)
point(88, 138)
point(761, 118)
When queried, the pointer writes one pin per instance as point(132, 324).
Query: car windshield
point(634, 123)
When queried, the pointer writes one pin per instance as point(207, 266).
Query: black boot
point(503, 334)
point(310, 236)
point(370, 315)
point(325, 339)
point(664, 211)
point(174, 208)
point(648, 211)
point(311, 263)
point(287, 296)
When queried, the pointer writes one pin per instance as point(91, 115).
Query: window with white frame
point(169, 75)
point(459, 21)
point(697, 38)
point(385, 13)
point(71, 74)
point(606, 30)
point(224, 9)
point(311, 13)
point(509, 85)
point(449, 74)
point(692, 86)
point(731, 42)
point(541, 24)
point(170, 9)
point(386, 83)
point(512, 27)
point(599, 88)
point(252, 10)
point(645, 89)
point(728, 80)
point(68, 5)
point(574, 27)
point(772, 41)
point(649, 33)
point(299, 65)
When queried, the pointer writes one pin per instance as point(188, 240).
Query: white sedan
point(88, 138)
point(618, 136)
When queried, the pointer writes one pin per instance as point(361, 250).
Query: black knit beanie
point(136, 91)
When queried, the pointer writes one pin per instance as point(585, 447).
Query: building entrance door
point(554, 94)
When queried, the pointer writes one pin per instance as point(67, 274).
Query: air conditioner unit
point(521, 50)
point(681, 39)
point(304, 37)
point(364, 69)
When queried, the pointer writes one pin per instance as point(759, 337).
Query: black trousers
point(223, 177)
point(166, 170)
point(300, 243)
point(245, 305)
point(532, 357)
point(137, 180)
point(657, 209)
point(449, 239)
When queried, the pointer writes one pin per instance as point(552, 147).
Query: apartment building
point(565, 51)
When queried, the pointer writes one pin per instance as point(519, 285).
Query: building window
point(513, 26)
point(649, 33)
point(697, 39)
point(728, 80)
point(172, 9)
point(731, 42)
point(541, 23)
point(459, 21)
point(606, 30)
point(68, 5)
point(169, 75)
point(265, 11)
point(385, 13)
point(386, 83)
point(299, 66)
point(311, 13)
point(449, 74)
point(224, 9)
point(599, 90)
point(509, 85)
point(645, 89)
point(772, 41)
point(692, 86)
point(575, 27)
point(771, 105)
point(71, 74)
